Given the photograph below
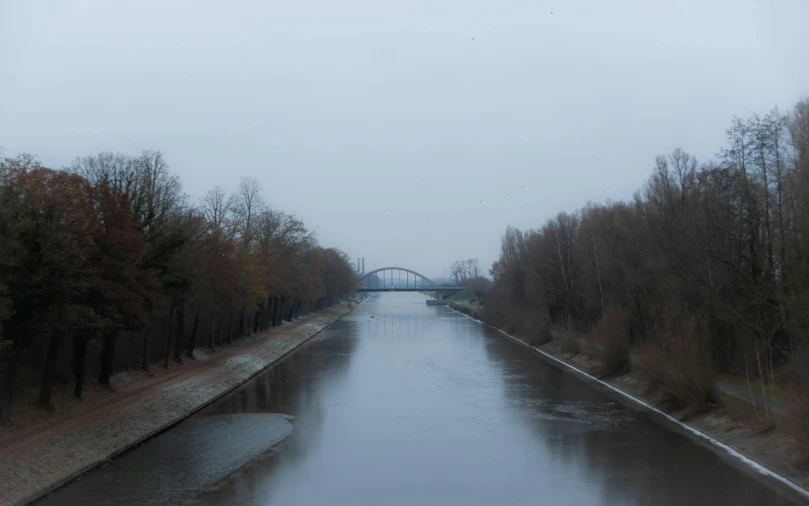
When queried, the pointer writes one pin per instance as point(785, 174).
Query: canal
point(400, 403)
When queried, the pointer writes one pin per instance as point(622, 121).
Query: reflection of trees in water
point(298, 386)
point(632, 458)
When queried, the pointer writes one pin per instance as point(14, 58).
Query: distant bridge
point(370, 282)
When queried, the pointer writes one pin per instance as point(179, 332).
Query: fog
point(411, 133)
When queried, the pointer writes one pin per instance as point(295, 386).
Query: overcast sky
point(432, 105)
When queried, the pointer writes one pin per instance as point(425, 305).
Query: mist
point(407, 133)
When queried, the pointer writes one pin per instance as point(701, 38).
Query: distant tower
point(363, 265)
point(359, 265)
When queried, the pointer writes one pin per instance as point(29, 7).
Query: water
point(404, 404)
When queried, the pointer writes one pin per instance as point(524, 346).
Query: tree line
point(464, 270)
point(110, 256)
point(707, 260)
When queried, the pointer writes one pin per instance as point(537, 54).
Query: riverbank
point(770, 448)
point(38, 458)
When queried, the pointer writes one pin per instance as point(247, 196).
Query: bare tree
point(247, 204)
point(215, 207)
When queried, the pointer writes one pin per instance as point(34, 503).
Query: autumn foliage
point(106, 265)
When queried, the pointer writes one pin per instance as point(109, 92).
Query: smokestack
point(363, 265)
point(359, 265)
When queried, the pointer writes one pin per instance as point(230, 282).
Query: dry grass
point(678, 363)
point(612, 342)
point(536, 330)
point(571, 344)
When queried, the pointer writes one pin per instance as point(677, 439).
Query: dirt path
point(55, 448)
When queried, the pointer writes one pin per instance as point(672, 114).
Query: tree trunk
point(178, 347)
point(145, 359)
point(212, 333)
point(107, 354)
point(51, 362)
point(230, 328)
point(9, 362)
point(275, 311)
point(291, 311)
point(168, 340)
point(267, 321)
point(79, 357)
point(220, 327)
point(192, 341)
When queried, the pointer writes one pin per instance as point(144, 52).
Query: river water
point(401, 403)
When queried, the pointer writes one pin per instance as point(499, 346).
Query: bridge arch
point(422, 276)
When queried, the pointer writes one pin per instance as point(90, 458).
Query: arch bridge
point(402, 279)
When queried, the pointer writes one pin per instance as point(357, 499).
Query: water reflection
point(172, 467)
point(403, 403)
point(626, 453)
point(437, 409)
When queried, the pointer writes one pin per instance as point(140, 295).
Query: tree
point(44, 236)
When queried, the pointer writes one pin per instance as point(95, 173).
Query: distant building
point(363, 266)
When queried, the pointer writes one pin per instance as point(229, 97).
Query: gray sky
point(320, 99)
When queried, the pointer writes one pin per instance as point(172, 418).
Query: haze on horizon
point(383, 127)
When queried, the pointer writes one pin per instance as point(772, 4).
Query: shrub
point(535, 329)
point(612, 342)
point(678, 362)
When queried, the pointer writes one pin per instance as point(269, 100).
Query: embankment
point(44, 460)
point(732, 429)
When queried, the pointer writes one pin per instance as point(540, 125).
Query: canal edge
point(33, 495)
point(688, 430)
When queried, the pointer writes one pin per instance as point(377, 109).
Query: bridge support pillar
point(440, 295)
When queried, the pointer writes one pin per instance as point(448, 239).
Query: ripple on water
point(603, 415)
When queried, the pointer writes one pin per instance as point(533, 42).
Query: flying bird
point(551, 13)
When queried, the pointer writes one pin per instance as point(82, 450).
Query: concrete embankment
point(43, 461)
point(729, 429)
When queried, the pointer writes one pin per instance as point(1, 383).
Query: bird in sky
point(481, 201)
point(551, 13)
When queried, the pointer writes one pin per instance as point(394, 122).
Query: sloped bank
point(33, 468)
point(474, 312)
point(765, 451)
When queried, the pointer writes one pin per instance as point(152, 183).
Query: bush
point(535, 330)
point(678, 363)
point(612, 342)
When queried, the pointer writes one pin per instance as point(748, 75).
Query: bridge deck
point(411, 289)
